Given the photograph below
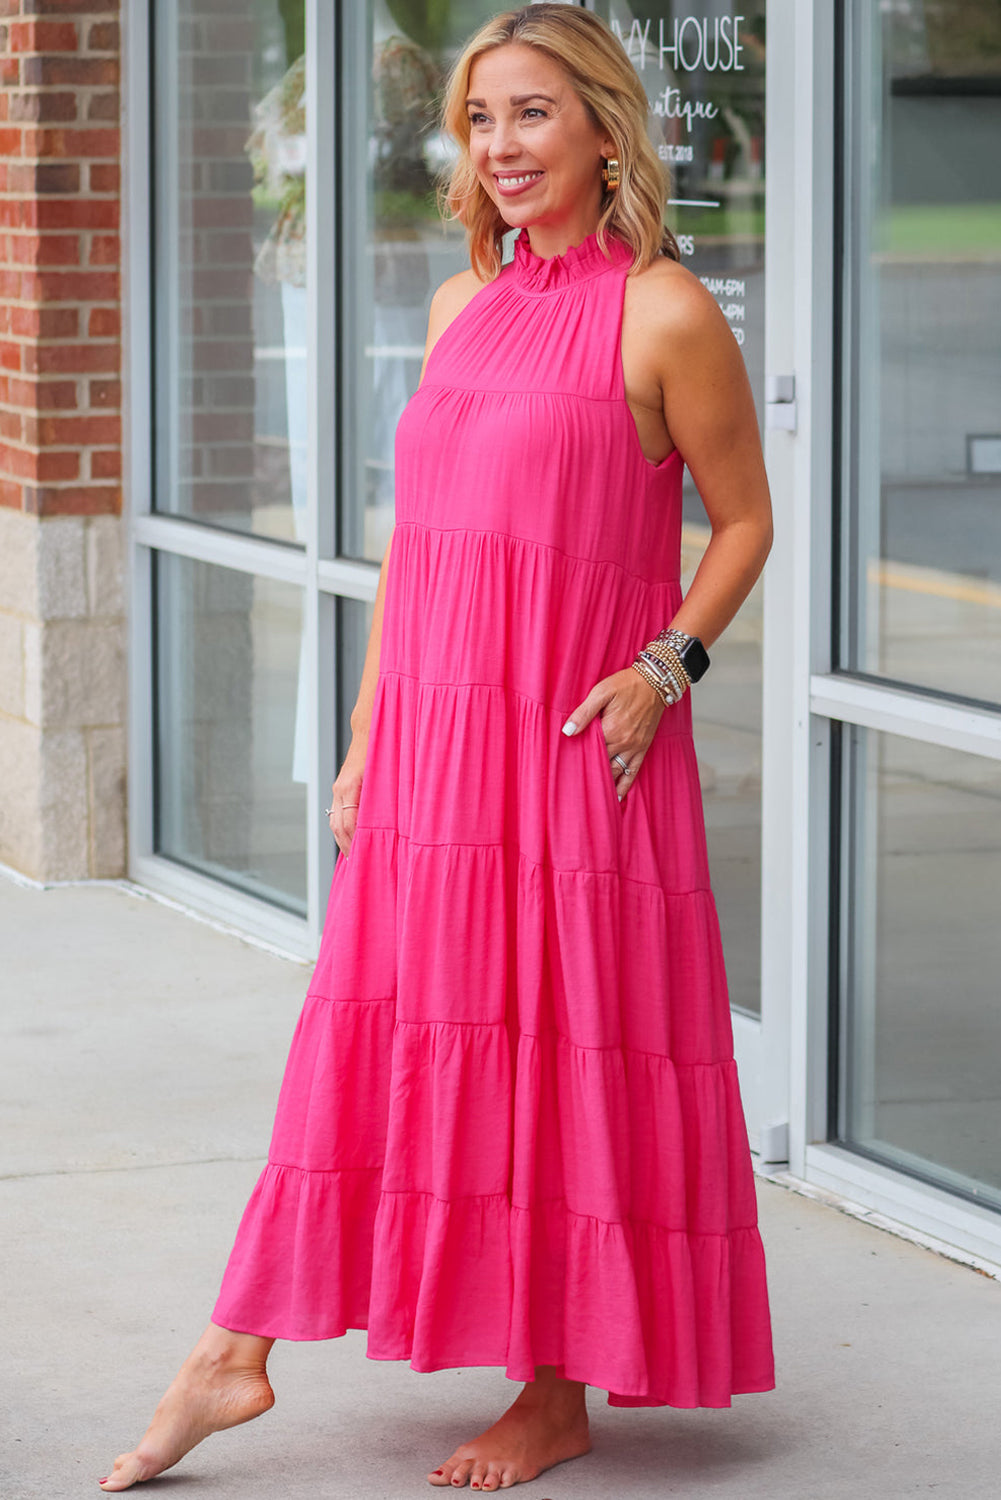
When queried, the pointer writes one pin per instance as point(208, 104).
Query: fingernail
point(570, 727)
point(620, 799)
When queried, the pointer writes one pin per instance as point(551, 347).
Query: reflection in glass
point(396, 250)
point(921, 911)
point(354, 622)
point(230, 307)
point(922, 570)
point(227, 667)
point(726, 708)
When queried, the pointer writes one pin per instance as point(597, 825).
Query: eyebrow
point(515, 99)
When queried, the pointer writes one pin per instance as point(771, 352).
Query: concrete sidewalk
point(141, 1057)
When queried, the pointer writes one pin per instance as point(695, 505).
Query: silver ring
point(623, 764)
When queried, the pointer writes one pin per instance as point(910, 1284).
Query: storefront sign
point(703, 68)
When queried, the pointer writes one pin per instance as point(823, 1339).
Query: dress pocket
point(603, 768)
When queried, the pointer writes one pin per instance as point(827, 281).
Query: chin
point(514, 215)
point(517, 221)
point(520, 216)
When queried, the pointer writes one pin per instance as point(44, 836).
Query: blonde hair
point(609, 87)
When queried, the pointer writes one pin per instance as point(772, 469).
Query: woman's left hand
point(630, 710)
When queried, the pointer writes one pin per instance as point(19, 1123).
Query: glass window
point(396, 54)
point(230, 306)
point(921, 599)
point(353, 625)
point(232, 727)
point(703, 67)
point(923, 1022)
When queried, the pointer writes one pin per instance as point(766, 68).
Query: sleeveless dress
point(510, 1131)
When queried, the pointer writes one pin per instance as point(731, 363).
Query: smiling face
point(535, 147)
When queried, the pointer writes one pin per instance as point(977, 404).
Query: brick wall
point(62, 663)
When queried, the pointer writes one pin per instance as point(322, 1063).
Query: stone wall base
point(62, 696)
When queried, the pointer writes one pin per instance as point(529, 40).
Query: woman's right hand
point(345, 795)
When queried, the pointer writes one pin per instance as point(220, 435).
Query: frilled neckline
point(537, 273)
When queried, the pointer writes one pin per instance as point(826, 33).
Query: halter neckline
point(537, 273)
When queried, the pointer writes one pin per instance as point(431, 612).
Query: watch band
point(694, 656)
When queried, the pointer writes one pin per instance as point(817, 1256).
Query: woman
point(510, 1131)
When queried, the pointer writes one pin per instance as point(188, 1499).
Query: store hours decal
point(689, 65)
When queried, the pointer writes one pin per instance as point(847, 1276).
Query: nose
point(504, 142)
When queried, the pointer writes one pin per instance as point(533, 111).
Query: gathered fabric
point(510, 1130)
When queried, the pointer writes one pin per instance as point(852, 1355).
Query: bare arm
point(687, 359)
point(710, 414)
point(447, 302)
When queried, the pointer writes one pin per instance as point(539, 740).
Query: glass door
point(919, 609)
point(703, 66)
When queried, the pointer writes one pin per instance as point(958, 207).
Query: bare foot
point(221, 1384)
point(545, 1425)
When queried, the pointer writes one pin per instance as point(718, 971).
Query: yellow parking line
point(883, 572)
point(914, 580)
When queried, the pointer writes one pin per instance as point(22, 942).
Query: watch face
point(695, 659)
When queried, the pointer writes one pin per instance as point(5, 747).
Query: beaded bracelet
point(668, 653)
point(659, 685)
point(660, 664)
point(674, 680)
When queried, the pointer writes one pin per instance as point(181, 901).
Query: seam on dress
point(522, 541)
point(696, 1234)
point(536, 1036)
point(684, 733)
point(288, 1166)
point(649, 885)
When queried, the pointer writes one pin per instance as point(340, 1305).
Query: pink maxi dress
point(510, 1131)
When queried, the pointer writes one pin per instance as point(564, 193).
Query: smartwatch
point(694, 656)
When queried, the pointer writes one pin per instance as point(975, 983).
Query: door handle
point(780, 402)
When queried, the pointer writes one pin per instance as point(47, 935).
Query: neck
point(549, 239)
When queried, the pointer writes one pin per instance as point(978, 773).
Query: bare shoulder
point(665, 298)
point(447, 303)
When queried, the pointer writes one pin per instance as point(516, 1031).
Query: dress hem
point(614, 1398)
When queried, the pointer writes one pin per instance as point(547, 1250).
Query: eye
point(534, 109)
point(477, 118)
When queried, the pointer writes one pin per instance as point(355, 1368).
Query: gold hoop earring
point(611, 173)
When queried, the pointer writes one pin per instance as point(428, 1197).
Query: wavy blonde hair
point(609, 87)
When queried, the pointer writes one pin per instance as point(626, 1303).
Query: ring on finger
point(624, 764)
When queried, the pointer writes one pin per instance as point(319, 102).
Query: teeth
point(517, 181)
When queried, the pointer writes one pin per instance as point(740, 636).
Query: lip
point(521, 187)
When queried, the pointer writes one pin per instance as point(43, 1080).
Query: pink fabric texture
point(510, 1131)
